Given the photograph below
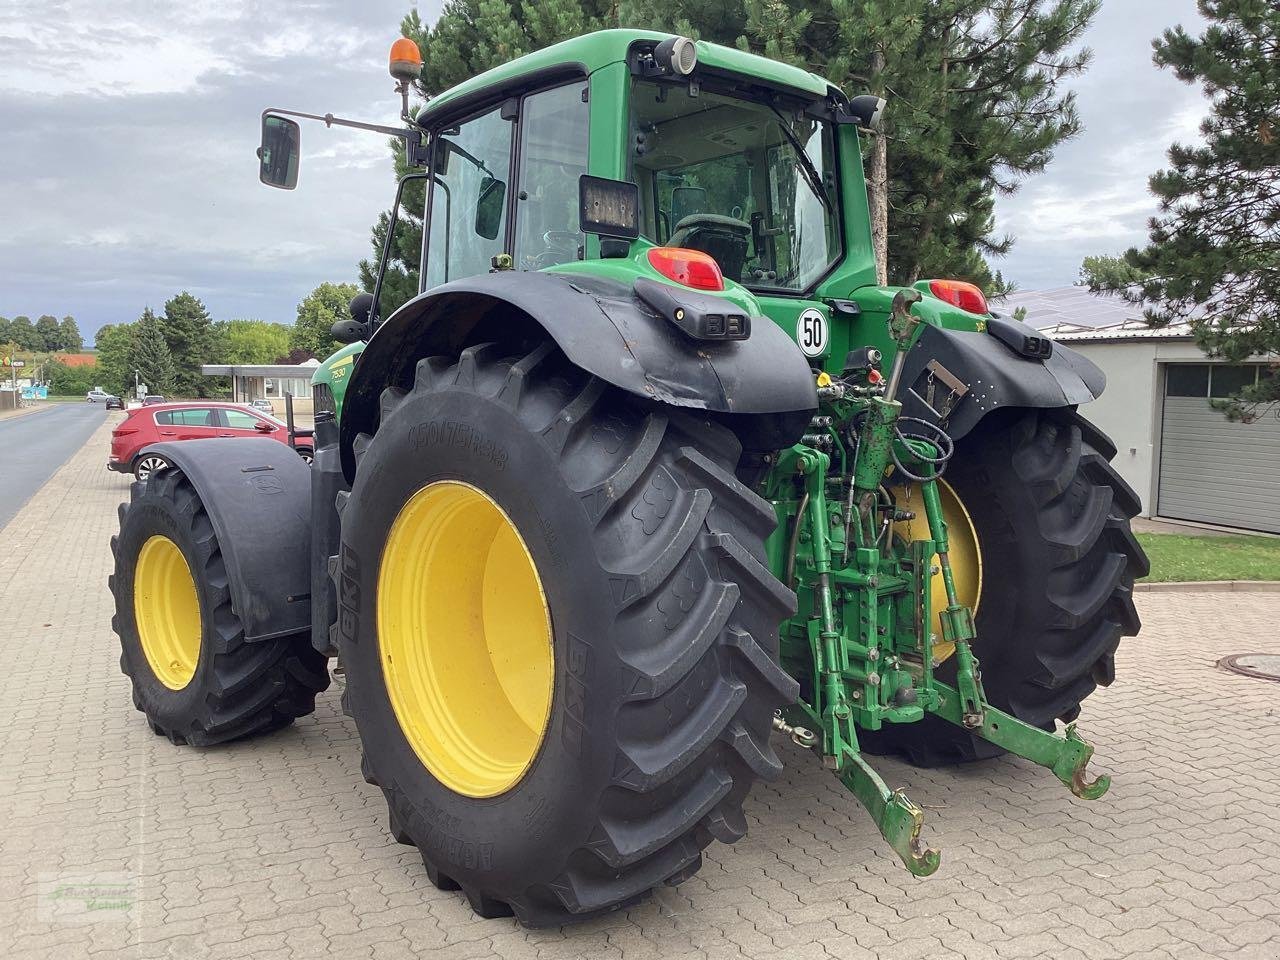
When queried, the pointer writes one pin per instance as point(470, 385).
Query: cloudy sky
point(127, 167)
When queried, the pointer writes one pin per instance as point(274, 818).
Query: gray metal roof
point(1075, 313)
point(1076, 306)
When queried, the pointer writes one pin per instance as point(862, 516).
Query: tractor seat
point(724, 238)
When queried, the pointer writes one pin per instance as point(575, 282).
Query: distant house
point(1183, 457)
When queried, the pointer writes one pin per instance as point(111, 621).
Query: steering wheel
point(561, 247)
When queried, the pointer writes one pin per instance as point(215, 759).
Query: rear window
point(195, 417)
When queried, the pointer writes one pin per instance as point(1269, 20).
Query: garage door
point(1213, 470)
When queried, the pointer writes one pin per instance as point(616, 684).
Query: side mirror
point(349, 331)
point(356, 328)
point(278, 154)
point(489, 207)
point(867, 111)
point(263, 427)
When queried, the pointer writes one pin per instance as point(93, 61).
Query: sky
point(128, 173)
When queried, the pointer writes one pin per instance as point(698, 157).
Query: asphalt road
point(35, 445)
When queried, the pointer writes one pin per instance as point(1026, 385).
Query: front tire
point(183, 647)
point(664, 676)
point(1059, 560)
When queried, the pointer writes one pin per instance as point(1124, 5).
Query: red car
point(196, 420)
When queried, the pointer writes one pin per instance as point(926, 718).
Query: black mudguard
point(602, 327)
point(257, 493)
point(995, 376)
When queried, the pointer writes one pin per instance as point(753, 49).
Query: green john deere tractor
point(650, 471)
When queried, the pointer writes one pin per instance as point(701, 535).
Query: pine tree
point(149, 355)
point(974, 86)
point(186, 328)
point(1213, 256)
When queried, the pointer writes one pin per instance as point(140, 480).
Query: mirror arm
point(329, 120)
point(374, 319)
point(415, 150)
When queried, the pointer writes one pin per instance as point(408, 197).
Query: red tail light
point(692, 268)
point(959, 293)
point(123, 431)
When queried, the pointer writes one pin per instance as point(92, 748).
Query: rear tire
point(238, 688)
point(664, 632)
point(1059, 562)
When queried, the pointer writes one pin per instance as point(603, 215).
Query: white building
point(1182, 456)
point(268, 381)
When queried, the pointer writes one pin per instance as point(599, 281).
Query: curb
point(1210, 586)
point(20, 412)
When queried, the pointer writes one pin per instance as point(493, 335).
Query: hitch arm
point(897, 817)
point(1067, 756)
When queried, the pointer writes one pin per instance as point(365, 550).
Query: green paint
point(336, 371)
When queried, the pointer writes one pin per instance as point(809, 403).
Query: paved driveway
point(277, 848)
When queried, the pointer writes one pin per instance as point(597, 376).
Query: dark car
point(114, 403)
point(157, 423)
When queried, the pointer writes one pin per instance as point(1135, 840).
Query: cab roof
point(588, 53)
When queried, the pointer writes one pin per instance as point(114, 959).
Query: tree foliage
point(149, 355)
point(317, 312)
point(186, 327)
point(114, 343)
point(1213, 252)
point(69, 335)
point(976, 103)
point(23, 333)
point(68, 381)
point(248, 341)
point(46, 335)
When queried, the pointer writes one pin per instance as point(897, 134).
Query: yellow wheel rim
point(167, 611)
point(964, 552)
point(464, 635)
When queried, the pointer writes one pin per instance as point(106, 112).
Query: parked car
point(157, 423)
point(263, 405)
point(97, 395)
point(153, 400)
point(115, 403)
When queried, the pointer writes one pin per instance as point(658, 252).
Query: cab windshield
point(749, 182)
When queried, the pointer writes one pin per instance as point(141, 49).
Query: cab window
point(553, 155)
point(469, 198)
